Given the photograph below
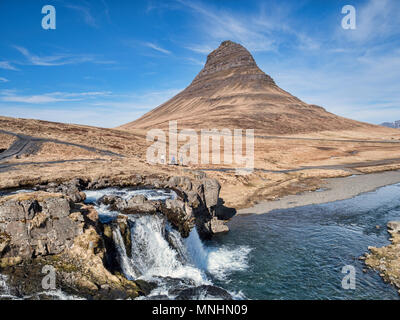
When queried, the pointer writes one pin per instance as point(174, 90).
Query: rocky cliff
point(52, 226)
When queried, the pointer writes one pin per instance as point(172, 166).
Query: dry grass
point(38, 196)
point(51, 151)
point(238, 191)
point(6, 141)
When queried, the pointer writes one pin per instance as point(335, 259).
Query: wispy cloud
point(203, 49)
point(156, 47)
point(85, 13)
point(106, 10)
point(223, 25)
point(7, 65)
point(264, 31)
point(59, 59)
point(12, 96)
point(376, 20)
point(4, 79)
point(195, 61)
point(83, 107)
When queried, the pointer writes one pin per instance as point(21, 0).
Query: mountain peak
point(232, 92)
point(229, 60)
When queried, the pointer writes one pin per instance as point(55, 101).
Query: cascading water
point(4, 289)
point(159, 254)
point(126, 263)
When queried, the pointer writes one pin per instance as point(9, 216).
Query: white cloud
point(73, 114)
point(85, 13)
point(203, 49)
point(4, 79)
point(11, 96)
point(263, 31)
point(59, 60)
point(157, 48)
point(7, 65)
point(377, 19)
point(83, 107)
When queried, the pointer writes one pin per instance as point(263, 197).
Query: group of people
point(173, 160)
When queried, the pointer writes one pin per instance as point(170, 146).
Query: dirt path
point(30, 145)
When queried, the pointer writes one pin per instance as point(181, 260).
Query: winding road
point(30, 145)
point(26, 144)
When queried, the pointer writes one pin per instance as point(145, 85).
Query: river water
point(299, 253)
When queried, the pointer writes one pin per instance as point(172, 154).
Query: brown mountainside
point(232, 92)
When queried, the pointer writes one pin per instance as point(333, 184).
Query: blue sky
point(109, 62)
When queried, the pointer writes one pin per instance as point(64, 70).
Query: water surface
point(299, 253)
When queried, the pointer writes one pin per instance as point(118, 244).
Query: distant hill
point(395, 124)
point(232, 92)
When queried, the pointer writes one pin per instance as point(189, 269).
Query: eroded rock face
point(201, 199)
point(36, 224)
point(386, 260)
point(47, 228)
point(41, 229)
point(231, 62)
point(201, 205)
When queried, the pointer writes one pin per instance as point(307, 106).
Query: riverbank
point(332, 189)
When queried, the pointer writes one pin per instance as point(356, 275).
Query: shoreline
point(333, 189)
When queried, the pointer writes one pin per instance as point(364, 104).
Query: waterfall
point(197, 253)
point(4, 289)
point(158, 251)
point(126, 263)
point(159, 254)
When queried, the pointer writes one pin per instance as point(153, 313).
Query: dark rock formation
point(39, 229)
point(198, 200)
point(37, 224)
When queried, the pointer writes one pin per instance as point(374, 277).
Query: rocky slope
point(232, 92)
point(52, 226)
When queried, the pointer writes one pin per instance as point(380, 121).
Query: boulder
point(211, 192)
point(394, 226)
point(37, 224)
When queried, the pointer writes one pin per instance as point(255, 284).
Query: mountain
point(395, 124)
point(232, 92)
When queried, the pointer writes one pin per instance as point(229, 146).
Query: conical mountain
point(232, 92)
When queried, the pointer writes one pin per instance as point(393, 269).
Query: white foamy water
point(126, 263)
point(126, 194)
point(159, 254)
point(223, 261)
point(4, 289)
